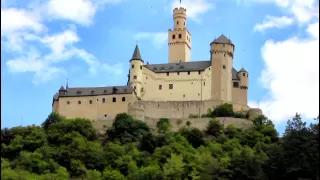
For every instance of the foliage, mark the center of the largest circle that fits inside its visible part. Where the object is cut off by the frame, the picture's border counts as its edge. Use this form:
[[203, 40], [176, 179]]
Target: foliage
[[64, 149], [163, 125], [194, 116]]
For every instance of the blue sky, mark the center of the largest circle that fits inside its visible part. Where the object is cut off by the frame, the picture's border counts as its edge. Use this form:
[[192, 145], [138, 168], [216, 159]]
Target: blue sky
[[90, 42]]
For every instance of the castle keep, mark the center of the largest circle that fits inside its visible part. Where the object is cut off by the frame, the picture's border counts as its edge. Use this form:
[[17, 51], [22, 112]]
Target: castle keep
[[174, 89]]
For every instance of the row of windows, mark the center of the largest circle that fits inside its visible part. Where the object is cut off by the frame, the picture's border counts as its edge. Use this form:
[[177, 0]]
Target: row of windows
[[114, 90], [132, 66], [178, 73], [180, 36], [103, 100]]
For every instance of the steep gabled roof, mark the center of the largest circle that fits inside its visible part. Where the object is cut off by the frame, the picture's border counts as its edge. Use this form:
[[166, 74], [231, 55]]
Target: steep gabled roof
[[242, 70]]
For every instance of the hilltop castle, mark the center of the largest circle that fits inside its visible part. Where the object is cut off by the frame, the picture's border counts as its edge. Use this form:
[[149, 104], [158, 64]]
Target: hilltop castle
[[174, 89]]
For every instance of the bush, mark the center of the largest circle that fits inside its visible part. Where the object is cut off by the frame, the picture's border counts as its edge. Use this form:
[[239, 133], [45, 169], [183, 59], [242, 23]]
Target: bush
[[193, 116], [223, 110]]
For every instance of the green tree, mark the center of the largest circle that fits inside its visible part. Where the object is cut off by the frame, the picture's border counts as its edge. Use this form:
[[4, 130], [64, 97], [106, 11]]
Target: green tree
[[163, 125]]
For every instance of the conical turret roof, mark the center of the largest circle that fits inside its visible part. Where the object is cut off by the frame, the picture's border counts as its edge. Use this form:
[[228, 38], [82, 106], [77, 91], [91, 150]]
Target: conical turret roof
[[136, 54], [62, 88], [242, 70], [222, 40]]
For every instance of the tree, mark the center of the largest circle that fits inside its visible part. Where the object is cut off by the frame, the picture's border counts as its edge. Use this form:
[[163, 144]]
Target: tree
[[163, 125], [214, 128]]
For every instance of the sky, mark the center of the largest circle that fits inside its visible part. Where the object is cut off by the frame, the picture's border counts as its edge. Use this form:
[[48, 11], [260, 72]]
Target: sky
[[90, 43]]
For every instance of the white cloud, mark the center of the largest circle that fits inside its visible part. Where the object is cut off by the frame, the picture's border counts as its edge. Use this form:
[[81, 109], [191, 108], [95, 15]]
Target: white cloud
[[79, 11], [194, 7], [158, 38], [291, 75], [301, 12], [20, 28], [274, 22], [13, 20]]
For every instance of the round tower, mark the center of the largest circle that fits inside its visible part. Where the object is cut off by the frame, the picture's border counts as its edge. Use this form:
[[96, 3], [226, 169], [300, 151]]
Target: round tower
[[244, 85], [180, 18], [244, 78], [136, 65], [221, 50]]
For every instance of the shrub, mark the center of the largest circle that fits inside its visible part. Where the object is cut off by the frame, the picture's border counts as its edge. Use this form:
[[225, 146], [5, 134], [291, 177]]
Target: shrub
[[193, 116], [223, 110]]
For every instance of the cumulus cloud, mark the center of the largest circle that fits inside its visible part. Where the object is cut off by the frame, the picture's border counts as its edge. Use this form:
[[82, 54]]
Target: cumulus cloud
[[274, 22], [22, 27], [158, 38], [295, 11], [195, 8], [291, 68]]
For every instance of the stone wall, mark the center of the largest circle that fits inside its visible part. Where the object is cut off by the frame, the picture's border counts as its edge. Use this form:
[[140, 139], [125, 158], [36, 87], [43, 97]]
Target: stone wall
[[176, 124], [175, 109]]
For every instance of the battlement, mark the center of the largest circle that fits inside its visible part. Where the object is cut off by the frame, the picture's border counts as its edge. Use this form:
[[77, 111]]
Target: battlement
[[180, 11]]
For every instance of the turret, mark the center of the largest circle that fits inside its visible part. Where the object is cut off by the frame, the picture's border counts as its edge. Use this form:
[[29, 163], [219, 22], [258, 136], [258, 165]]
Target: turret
[[221, 50], [136, 65], [244, 78], [62, 91], [179, 38]]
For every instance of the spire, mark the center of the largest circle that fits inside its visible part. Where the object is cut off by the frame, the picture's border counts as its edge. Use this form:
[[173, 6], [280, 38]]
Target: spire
[[67, 85], [136, 54]]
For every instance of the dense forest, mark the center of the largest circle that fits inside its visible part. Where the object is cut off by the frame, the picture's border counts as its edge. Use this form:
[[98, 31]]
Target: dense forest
[[72, 149]]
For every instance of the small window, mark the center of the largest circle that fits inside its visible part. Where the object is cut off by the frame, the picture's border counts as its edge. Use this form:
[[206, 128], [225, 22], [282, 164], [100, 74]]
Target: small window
[[142, 89], [134, 87], [209, 68], [103, 100], [90, 101], [188, 72], [244, 74], [178, 73], [105, 91], [198, 94], [184, 23], [236, 84], [224, 66], [78, 92], [123, 99], [92, 92], [140, 67], [184, 95], [224, 55], [167, 73], [160, 87], [173, 36], [68, 102], [199, 72], [134, 77], [180, 36], [79, 102], [114, 99], [132, 66], [177, 22], [146, 77], [204, 83], [105, 115], [170, 86]]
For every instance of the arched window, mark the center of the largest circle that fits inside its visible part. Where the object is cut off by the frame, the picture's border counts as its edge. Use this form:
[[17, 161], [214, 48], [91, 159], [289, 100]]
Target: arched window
[[123, 99], [114, 99]]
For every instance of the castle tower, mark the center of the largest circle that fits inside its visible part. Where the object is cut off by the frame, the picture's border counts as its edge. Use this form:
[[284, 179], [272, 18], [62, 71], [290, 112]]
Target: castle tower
[[179, 39], [244, 84], [136, 65], [221, 50]]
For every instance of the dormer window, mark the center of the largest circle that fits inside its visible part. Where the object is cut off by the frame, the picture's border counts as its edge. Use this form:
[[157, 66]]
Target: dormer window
[[92, 92], [114, 90], [78, 92]]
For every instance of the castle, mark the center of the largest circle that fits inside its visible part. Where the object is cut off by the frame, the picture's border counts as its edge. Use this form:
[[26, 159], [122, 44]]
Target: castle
[[173, 90]]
